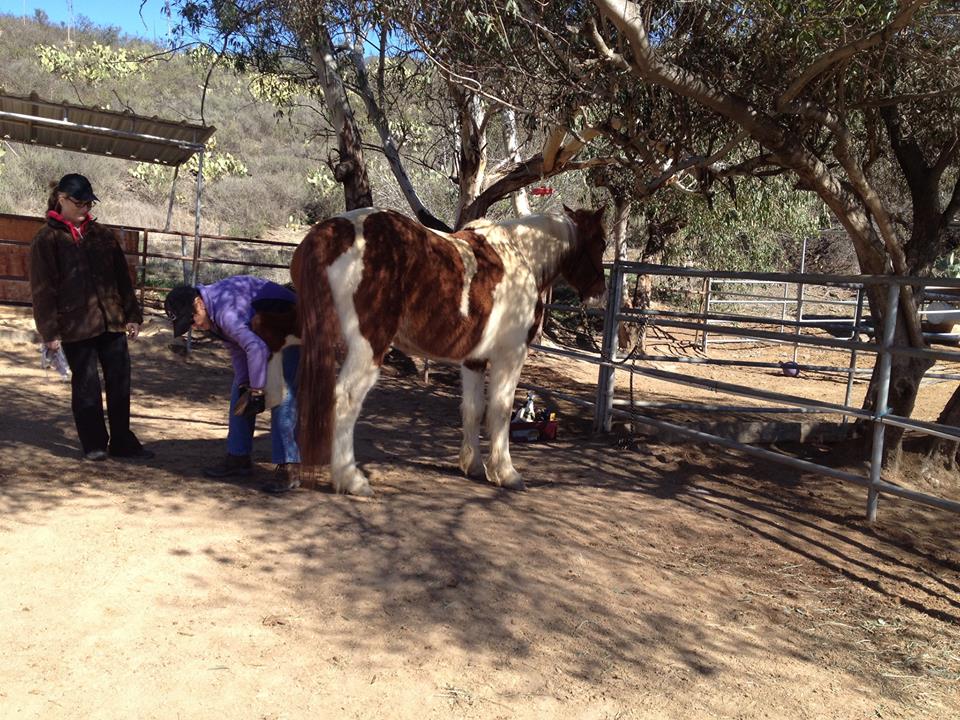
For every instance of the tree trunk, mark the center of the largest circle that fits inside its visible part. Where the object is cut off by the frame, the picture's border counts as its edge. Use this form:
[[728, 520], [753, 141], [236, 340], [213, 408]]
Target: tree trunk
[[940, 448], [521, 203], [472, 160], [905, 376], [628, 334], [349, 169], [931, 221]]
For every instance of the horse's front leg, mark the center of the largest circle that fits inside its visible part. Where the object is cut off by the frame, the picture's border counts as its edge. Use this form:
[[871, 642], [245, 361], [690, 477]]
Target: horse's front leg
[[471, 407], [504, 374]]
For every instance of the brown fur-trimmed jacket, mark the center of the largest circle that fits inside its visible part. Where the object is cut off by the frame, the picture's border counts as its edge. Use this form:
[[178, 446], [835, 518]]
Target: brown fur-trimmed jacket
[[80, 289]]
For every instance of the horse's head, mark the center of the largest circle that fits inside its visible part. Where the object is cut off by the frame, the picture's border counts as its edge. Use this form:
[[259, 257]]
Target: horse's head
[[583, 268]]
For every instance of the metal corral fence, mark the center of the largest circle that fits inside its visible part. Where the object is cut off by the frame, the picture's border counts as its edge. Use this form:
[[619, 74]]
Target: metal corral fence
[[840, 309], [158, 259], [839, 333], [167, 258]]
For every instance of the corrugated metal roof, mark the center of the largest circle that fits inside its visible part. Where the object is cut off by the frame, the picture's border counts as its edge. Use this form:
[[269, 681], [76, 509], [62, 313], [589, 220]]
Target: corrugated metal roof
[[35, 121]]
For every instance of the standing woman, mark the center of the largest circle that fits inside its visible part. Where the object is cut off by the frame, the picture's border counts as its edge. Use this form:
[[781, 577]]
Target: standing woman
[[83, 299]]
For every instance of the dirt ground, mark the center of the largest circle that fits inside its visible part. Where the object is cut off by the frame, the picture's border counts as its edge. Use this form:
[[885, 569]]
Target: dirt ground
[[635, 578]]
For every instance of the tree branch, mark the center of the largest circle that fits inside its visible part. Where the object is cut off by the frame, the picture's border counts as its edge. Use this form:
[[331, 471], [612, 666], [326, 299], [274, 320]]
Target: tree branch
[[526, 173], [908, 97], [389, 145], [841, 54]]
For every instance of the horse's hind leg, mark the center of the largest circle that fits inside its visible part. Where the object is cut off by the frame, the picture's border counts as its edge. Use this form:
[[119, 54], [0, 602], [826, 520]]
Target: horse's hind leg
[[358, 374], [504, 374], [472, 411]]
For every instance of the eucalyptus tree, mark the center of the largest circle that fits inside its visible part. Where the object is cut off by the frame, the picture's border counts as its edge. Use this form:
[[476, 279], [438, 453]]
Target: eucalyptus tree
[[815, 85], [352, 52], [294, 40], [316, 44], [858, 102]]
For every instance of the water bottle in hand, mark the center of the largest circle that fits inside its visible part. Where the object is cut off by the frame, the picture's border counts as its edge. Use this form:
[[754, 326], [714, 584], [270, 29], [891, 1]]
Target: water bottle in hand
[[55, 359]]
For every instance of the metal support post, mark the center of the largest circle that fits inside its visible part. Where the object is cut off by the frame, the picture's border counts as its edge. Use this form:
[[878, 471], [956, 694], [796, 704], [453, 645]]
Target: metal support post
[[173, 195], [857, 318], [143, 266], [883, 391], [603, 414], [195, 270], [803, 267], [783, 307], [196, 222], [706, 312]]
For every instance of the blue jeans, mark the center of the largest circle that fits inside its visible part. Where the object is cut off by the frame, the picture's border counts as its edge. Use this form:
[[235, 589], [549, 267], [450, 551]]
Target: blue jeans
[[283, 418]]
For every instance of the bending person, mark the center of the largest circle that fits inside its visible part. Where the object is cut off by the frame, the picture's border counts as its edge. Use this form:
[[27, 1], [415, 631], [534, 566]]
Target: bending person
[[225, 309]]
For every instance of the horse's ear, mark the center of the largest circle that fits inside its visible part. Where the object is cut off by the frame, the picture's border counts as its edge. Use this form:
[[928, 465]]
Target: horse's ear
[[567, 210], [599, 213]]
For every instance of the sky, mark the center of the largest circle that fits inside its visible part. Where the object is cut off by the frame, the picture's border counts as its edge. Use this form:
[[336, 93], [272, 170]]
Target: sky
[[124, 14]]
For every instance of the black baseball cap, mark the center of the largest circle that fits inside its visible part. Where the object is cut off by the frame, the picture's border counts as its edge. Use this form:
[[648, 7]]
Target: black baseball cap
[[179, 307], [77, 187]]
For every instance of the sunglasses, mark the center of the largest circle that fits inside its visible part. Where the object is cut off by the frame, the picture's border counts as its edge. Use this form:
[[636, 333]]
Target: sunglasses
[[81, 203]]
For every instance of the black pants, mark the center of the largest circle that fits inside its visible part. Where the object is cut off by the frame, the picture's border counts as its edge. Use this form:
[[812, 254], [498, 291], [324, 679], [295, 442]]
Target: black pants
[[110, 348]]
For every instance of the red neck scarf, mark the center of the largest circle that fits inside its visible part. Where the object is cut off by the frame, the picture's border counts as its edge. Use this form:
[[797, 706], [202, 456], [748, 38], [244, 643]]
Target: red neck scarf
[[75, 232]]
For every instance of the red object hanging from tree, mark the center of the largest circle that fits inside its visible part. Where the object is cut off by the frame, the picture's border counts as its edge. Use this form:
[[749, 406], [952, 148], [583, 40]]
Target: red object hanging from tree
[[541, 190]]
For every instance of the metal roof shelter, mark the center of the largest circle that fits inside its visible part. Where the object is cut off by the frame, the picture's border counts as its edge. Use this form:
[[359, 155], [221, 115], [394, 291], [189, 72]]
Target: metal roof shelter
[[34, 121]]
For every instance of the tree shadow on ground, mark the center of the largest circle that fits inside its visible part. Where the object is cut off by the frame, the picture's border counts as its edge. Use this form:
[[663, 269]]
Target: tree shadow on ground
[[615, 561]]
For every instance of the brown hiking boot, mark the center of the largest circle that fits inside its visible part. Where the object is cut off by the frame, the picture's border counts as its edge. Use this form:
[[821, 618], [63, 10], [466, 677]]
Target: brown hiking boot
[[287, 479], [230, 466]]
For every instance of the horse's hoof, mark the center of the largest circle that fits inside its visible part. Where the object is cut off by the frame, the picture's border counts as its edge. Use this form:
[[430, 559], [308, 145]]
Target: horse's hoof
[[355, 484], [514, 484], [508, 481], [470, 464]]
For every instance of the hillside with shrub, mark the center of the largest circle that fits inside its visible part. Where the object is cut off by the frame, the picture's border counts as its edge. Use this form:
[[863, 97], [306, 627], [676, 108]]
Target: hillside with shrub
[[267, 171], [261, 172]]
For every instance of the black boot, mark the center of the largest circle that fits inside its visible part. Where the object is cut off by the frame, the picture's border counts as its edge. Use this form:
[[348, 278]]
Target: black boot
[[230, 466]]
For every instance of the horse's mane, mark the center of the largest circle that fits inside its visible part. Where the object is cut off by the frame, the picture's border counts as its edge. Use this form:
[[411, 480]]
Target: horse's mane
[[541, 240], [553, 226]]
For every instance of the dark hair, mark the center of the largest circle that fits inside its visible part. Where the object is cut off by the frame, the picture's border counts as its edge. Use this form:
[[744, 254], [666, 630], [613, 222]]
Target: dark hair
[[53, 202]]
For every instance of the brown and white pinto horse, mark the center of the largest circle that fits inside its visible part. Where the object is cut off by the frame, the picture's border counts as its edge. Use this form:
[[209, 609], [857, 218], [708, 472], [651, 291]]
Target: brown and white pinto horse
[[371, 278]]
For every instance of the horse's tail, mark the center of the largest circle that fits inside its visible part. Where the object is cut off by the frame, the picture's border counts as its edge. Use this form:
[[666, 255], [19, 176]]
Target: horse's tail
[[319, 332]]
